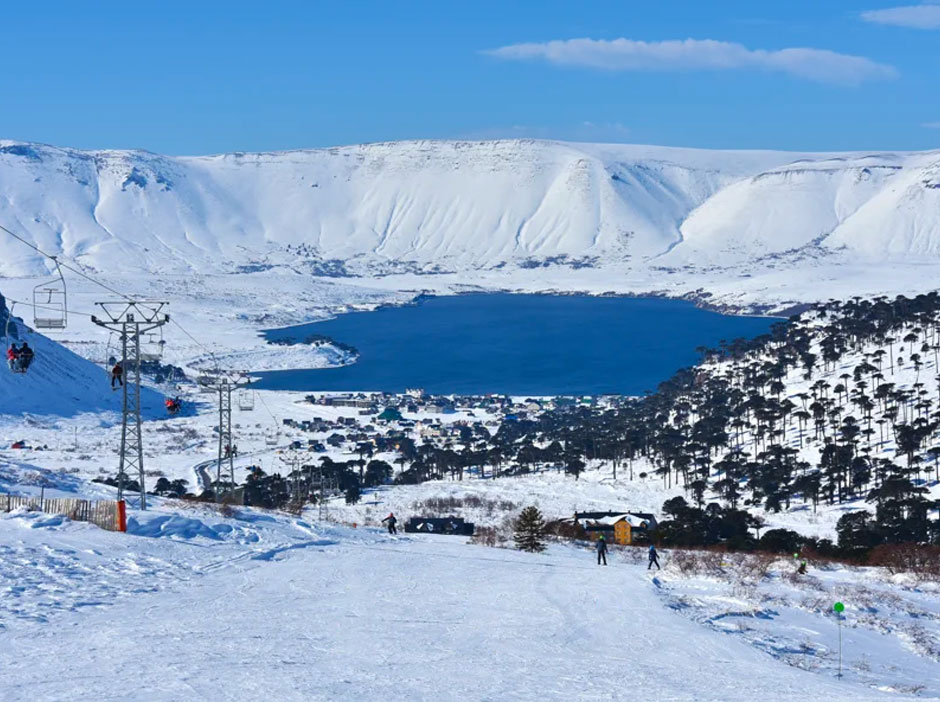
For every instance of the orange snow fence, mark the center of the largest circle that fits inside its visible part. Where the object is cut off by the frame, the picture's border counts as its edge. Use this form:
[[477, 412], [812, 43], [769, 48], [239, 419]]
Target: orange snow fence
[[107, 514]]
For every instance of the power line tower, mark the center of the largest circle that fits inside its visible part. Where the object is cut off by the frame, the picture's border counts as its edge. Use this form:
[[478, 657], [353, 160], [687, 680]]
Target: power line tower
[[129, 319]]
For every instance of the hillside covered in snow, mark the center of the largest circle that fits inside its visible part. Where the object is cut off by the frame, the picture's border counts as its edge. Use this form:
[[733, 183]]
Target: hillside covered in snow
[[515, 209], [59, 382]]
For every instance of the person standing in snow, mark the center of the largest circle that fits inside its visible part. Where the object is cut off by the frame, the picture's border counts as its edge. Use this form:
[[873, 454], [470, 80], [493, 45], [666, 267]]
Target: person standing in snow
[[601, 550], [392, 521], [654, 558]]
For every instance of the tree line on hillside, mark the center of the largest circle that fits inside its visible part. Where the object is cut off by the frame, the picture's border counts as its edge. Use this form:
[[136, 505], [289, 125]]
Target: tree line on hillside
[[730, 432]]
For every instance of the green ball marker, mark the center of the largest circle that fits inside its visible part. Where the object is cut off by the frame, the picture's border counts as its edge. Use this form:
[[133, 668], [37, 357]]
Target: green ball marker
[[838, 607]]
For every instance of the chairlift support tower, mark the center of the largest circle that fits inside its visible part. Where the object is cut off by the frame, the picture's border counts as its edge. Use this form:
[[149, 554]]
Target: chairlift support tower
[[130, 319], [225, 386]]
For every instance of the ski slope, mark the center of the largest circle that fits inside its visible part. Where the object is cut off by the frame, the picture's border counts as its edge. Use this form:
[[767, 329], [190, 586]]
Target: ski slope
[[191, 606]]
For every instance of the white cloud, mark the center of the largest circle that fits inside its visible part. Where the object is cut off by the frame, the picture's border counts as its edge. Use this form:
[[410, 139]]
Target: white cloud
[[697, 54], [915, 16], [931, 125]]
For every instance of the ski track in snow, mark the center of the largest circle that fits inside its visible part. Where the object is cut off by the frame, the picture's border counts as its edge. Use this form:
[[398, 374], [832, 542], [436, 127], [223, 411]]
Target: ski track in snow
[[335, 613]]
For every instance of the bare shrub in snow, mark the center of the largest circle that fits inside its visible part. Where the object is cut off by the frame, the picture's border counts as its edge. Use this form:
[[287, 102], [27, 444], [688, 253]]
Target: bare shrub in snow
[[920, 560], [696, 562], [494, 536], [756, 566], [449, 505]]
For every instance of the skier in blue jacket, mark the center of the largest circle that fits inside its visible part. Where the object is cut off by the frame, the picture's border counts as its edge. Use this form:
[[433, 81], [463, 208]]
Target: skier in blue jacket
[[601, 550], [653, 558]]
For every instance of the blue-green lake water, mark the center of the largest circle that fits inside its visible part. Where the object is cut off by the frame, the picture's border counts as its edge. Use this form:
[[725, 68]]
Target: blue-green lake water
[[515, 344]]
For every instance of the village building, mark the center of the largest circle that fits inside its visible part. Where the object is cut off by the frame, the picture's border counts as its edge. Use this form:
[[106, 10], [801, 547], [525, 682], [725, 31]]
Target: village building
[[618, 527]]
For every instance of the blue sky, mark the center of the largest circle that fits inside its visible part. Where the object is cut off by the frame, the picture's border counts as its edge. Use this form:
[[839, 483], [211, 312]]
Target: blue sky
[[206, 77]]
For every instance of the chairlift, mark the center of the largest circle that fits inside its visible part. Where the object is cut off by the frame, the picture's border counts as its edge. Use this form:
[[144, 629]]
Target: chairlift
[[49, 302], [16, 366], [246, 400], [206, 382], [272, 437], [151, 347]]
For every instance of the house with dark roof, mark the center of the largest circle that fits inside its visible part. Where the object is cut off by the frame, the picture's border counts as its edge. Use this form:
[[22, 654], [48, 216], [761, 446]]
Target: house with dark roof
[[619, 527]]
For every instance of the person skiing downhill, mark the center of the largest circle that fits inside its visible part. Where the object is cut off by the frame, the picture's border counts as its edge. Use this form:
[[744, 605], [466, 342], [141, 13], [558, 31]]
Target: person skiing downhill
[[653, 558], [391, 520], [601, 550]]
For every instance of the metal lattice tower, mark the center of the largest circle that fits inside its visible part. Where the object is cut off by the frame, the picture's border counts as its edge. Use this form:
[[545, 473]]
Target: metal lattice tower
[[226, 447], [323, 511], [130, 319], [226, 386]]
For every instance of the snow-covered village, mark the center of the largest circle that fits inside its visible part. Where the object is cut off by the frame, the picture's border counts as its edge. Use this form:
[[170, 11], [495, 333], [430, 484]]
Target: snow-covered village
[[350, 403]]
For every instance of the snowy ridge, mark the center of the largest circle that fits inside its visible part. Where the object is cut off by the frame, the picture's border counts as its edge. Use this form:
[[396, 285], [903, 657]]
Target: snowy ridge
[[436, 206]]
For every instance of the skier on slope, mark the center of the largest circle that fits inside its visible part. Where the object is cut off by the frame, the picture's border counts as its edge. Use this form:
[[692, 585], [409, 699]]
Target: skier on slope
[[392, 521], [654, 558], [601, 550]]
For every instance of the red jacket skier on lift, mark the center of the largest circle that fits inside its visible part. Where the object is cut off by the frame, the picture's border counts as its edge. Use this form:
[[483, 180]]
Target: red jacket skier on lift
[[117, 374]]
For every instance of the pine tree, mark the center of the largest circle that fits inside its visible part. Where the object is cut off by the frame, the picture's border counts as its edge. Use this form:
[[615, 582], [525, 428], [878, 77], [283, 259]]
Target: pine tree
[[530, 530]]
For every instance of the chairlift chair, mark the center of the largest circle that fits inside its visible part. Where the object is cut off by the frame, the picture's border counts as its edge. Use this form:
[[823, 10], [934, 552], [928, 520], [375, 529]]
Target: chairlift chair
[[49, 303], [246, 400], [206, 382], [151, 348], [271, 438]]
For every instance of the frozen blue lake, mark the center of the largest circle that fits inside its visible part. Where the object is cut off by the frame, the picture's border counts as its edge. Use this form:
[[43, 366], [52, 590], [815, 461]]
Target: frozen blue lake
[[516, 344]]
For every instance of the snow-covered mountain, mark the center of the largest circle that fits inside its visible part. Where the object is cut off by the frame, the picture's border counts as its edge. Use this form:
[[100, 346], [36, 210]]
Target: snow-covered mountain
[[432, 206]]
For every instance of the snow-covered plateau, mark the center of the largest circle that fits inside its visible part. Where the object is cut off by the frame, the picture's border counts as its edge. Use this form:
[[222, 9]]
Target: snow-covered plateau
[[749, 227]]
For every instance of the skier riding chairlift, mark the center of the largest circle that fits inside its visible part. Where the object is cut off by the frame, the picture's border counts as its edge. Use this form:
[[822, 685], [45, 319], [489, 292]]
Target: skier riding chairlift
[[117, 374], [23, 357]]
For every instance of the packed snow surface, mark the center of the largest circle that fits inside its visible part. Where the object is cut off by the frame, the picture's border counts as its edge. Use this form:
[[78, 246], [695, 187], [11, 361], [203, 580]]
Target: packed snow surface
[[265, 606]]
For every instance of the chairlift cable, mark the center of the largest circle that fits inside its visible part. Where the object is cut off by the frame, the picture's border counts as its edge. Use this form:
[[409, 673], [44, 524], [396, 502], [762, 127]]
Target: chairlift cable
[[277, 427], [65, 265], [43, 307], [81, 273]]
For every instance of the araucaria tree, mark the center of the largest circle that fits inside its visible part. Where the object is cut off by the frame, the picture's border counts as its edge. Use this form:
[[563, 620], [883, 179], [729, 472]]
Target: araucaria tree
[[530, 530]]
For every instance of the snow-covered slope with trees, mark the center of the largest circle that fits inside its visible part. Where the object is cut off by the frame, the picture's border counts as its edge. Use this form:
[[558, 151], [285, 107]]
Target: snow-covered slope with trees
[[439, 206]]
